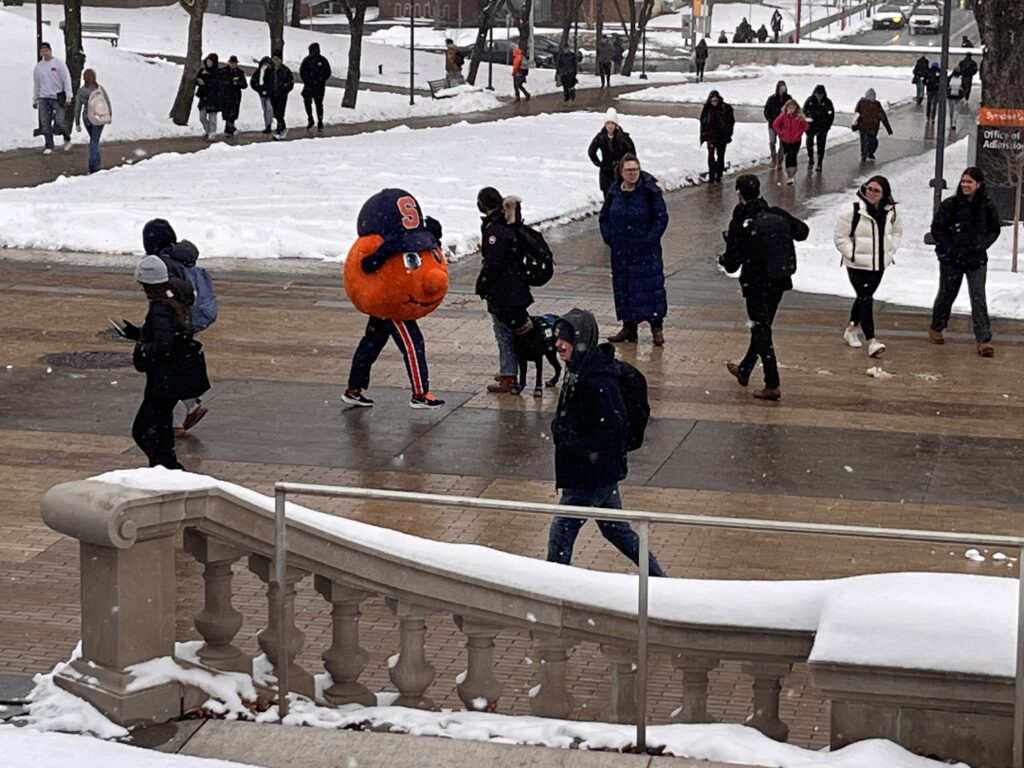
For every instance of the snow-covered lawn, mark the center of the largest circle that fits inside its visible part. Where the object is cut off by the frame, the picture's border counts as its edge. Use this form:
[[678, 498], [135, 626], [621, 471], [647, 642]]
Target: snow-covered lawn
[[753, 85]]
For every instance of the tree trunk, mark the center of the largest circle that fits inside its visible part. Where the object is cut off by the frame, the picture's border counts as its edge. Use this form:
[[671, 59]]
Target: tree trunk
[[636, 29], [74, 53], [598, 30], [275, 23], [1000, 23], [487, 10], [182, 107], [568, 21], [356, 15], [297, 13]]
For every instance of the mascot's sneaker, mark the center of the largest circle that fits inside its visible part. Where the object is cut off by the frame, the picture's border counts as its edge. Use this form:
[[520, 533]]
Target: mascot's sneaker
[[356, 397], [425, 400]]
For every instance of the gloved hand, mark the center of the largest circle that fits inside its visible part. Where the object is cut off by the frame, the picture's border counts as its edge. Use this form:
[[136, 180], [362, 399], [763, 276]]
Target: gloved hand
[[131, 331]]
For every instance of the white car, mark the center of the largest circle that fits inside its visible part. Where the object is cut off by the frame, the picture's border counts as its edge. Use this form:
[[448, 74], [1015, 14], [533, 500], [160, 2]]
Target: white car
[[925, 18]]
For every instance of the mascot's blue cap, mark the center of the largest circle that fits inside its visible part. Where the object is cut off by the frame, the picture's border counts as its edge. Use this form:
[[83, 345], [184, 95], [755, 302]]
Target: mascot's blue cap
[[395, 215]]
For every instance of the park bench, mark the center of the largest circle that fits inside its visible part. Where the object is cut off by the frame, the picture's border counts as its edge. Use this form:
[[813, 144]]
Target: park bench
[[450, 81], [109, 32]]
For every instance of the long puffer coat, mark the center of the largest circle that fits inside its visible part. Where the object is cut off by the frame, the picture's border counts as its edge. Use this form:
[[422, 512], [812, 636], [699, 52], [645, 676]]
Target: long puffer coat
[[632, 224], [862, 250]]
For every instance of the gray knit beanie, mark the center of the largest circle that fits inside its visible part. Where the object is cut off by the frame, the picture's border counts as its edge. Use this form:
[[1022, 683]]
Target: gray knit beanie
[[151, 271]]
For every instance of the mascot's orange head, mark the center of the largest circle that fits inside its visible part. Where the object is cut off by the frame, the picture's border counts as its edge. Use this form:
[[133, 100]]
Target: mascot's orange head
[[396, 269]]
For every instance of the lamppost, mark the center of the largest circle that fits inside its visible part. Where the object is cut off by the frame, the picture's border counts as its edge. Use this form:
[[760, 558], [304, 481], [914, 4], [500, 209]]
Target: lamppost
[[412, 56], [39, 26], [939, 183], [490, 59], [643, 53]]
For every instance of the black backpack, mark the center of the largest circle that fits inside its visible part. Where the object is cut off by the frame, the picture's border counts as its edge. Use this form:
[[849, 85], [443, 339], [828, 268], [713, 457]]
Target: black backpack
[[772, 244], [537, 259], [633, 385]]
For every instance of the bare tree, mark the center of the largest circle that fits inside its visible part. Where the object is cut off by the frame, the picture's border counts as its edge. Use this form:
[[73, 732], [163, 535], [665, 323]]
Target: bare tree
[[182, 107], [274, 10], [487, 10], [355, 12], [521, 20], [1005, 168], [297, 13], [74, 53], [636, 30], [1001, 24]]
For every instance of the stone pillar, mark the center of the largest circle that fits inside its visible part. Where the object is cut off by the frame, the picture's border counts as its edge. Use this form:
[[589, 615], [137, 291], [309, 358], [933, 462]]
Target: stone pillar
[[410, 672], [299, 680], [551, 697], [479, 688], [218, 622], [695, 671], [622, 696], [345, 660], [767, 685], [127, 600]]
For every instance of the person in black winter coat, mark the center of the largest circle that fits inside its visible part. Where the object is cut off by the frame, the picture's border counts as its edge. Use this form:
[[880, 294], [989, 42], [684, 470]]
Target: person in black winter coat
[[566, 66], [965, 226], [747, 252], [160, 239], [589, 433], [258, 81], [172, 361], [232, 83], [501, 282], [716, 126], [762, 34], [700, 58], [279, 83], [772, 109], [609, 146], [968, 69], [208, 91], [820, 115], [921, 67], [315, 71], [932, 82], [776, 24]]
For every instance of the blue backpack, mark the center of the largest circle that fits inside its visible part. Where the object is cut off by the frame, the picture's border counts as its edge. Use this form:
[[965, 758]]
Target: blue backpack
[[204, 311]]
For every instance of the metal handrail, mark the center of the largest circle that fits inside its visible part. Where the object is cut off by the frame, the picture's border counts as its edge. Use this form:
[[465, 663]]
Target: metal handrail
[[644, 519]]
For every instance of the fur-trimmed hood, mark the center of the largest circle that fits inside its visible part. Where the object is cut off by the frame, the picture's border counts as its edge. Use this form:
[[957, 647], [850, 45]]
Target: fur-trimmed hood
[[512, 206]]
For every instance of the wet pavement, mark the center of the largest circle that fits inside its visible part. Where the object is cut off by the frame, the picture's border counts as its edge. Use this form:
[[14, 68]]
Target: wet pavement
[[937, 446]]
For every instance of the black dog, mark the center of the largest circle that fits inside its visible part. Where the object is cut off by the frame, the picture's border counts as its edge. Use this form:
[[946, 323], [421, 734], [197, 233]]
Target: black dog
[[533, 346]]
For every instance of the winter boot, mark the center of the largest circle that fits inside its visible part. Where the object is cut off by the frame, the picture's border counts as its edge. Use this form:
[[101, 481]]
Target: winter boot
[[503, 385], [658, 335], [768, 393], [740, 376], [936, 337], [626, 334], [985, 349]]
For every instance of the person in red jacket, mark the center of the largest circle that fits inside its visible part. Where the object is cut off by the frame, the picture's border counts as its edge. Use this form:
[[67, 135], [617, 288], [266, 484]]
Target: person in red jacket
[[790, 125], [520, 69]]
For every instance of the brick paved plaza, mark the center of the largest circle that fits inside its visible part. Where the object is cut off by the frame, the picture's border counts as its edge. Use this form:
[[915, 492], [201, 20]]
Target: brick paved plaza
[[938, 446]]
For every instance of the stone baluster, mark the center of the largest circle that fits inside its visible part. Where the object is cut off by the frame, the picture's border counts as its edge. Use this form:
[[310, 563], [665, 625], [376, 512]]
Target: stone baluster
[[551, 697], [479, 689], [622, 696], [695, 671], [410, 672], [767, 685], [218, 622], [299, 680], [345, 660]]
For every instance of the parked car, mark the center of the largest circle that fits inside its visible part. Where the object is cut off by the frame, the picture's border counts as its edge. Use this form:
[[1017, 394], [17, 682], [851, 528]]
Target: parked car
[[500, 52], [925, 18], [889, 17]]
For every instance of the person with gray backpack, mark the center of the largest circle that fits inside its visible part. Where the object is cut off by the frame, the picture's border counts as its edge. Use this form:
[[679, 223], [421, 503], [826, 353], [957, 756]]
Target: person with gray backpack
[[93, 104]]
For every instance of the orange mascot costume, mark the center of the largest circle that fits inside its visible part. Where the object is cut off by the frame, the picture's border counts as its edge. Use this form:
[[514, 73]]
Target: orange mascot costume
[[396, 273]]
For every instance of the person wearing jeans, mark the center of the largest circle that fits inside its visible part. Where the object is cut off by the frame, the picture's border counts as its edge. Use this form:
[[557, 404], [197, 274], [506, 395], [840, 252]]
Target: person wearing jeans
[[965, 226], [258, 81], [208, 90], [81, 112], [589, 434], [51, 95], [870, 117]]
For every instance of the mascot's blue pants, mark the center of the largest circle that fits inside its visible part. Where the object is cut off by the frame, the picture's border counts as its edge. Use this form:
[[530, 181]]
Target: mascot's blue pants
[[406, 334]]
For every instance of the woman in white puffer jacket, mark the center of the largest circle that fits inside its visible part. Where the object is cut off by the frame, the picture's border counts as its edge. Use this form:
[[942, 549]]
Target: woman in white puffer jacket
[[867, 235]]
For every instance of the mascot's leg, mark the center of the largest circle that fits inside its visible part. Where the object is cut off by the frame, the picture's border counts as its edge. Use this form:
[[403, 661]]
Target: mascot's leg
[[406, 334], [374, 338]]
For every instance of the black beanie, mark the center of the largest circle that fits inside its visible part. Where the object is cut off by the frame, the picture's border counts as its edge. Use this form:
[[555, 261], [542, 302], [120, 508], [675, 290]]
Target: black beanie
[[157, 235], [488, 199]]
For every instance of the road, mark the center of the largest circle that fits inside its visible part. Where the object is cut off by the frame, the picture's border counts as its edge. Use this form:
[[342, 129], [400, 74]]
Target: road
[[962, 23]]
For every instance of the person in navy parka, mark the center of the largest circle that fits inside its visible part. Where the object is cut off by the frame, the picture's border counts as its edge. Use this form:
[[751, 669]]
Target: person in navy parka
[[633, 220]]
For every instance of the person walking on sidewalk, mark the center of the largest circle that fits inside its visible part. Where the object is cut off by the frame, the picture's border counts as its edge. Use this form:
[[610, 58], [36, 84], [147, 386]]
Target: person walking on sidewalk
[[604, 56], [867, 235], [772, 109], [258, 81], [607, 148], [51, 96], [232, 83], [921, 67], [790, 127], [700, 58], [453, 61], [589, 433], [955, 97], [633, 220], [314, 71], [279, 84], [92, 104], [208, 91], [776, 24], [759, 243], [520, 69], [820, 114], [965, 226], [968, 69], [717, 122], [501, 282], [566, 66], [932, 81], [172, 360], [870, 117], [762, 34]]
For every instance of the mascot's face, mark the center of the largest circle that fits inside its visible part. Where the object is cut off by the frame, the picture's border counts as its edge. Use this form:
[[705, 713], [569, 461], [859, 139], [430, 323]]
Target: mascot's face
[[396, 268], [409, 286]]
